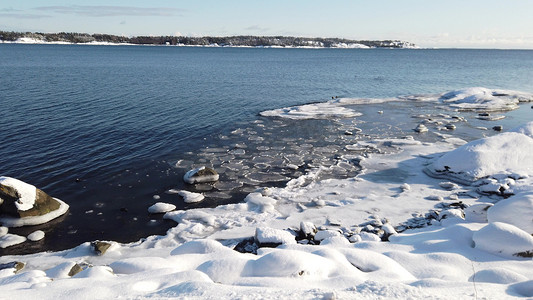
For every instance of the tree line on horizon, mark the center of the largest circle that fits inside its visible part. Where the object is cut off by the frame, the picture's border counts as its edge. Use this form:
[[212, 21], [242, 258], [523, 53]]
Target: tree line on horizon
[[243, 40]]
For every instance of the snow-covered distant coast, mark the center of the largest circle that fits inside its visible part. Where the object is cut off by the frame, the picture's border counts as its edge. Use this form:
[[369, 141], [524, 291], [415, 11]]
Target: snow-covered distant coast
[[230, 41], [449, 219]]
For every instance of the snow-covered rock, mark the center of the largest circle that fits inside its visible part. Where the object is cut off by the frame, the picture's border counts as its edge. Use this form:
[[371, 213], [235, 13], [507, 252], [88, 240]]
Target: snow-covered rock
[[506, 153], [23, 204], [36, 236], [200, 175], [161, 207], [266, 235], [504, 240]]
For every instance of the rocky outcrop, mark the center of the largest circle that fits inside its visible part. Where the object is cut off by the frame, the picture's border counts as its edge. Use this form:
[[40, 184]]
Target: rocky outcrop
[[43, 203], [23, 204]]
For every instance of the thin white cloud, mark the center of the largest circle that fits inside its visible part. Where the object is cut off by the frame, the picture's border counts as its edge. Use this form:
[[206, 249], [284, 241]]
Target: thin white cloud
[[111, 11], [257, 28], [22, 16]]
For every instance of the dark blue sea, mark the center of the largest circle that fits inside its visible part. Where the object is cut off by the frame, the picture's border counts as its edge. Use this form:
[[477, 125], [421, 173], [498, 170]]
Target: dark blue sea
[[111, 129]]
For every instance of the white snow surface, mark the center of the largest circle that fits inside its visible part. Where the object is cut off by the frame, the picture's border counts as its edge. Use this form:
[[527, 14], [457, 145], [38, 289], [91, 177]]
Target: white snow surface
[[475, 98], [506, 153], [161, 207], [36, 236], [324, 110], [27, 192], [478, 98], [190, 197], [455, 258]]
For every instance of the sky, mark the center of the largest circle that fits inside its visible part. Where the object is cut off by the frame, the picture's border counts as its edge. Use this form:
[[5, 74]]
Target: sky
[[427, 23]]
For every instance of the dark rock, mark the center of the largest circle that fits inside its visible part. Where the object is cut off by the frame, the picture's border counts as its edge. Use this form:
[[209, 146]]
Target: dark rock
[[17, 265], [75, 270], [450, 126], [100, 247], [201, 175], [43, 203], [498, 128], [524, 254], [247, 246]]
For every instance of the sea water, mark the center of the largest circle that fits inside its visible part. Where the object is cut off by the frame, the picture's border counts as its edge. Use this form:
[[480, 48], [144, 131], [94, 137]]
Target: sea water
[[111, 129]]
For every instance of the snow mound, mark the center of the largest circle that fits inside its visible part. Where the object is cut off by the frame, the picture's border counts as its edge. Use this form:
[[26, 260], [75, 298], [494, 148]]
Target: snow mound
[[258, 202], [478, 98], [504, 240], [498, 275], [190, 197], [517, 211], [200, 247], [505, 153], [291, 263], [265, 235], [161, 207], [9, 240], [36, 236], [138, 264]]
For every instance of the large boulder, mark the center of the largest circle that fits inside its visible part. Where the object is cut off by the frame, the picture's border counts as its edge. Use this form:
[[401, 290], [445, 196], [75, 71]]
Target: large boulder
[[24, 204]]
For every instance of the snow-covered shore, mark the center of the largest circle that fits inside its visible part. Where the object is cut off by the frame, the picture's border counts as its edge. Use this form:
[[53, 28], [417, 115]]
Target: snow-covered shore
[[29, 40], [477, 198]]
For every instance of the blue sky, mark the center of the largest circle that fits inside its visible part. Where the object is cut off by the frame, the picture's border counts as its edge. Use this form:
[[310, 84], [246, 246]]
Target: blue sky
[[428, 23]]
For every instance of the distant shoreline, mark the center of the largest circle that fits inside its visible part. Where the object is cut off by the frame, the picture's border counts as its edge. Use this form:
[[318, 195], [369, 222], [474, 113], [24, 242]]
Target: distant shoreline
[[208, 41]]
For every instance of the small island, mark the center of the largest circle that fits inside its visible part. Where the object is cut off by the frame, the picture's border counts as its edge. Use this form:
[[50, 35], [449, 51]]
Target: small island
[[228, 41]]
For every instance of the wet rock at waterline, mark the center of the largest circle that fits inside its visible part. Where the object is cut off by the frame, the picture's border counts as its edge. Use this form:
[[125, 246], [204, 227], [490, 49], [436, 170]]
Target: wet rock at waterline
[[23, 204], [200, 175]]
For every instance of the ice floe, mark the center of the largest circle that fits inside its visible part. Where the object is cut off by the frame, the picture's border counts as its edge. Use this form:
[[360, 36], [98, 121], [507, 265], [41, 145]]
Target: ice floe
[[468, 99]]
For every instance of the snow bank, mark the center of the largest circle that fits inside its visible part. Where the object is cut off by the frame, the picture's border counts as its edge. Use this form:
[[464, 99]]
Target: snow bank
[[517, 211], [505, 240]]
